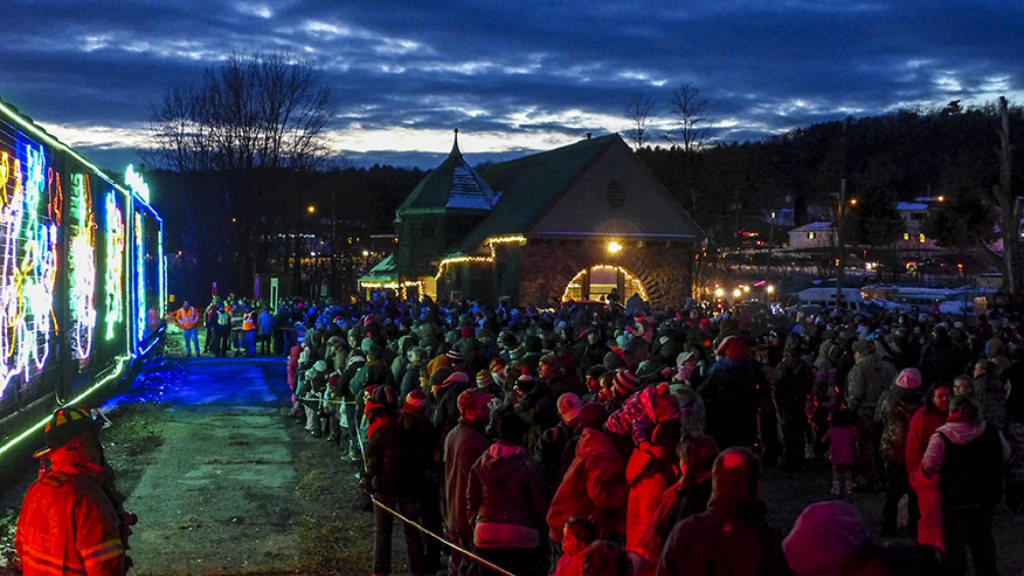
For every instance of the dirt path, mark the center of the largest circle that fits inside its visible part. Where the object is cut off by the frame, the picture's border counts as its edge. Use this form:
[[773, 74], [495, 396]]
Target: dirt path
[[224, 483]]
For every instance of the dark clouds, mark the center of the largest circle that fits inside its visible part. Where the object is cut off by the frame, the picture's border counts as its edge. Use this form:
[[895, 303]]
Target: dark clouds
[[512, 75]]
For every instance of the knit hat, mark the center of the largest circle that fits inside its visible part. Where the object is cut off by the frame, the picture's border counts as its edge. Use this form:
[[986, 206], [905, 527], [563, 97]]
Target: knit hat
[[454, 355], [415, 402], [455, 378], [909, 378], [320, 366], [626, 383], [472, 398], [551, 359], [526, 383], [466, 332], [683, 357], [385, 396], [569, 406], [826, 535], [863, 347], [438, 377], [484, 379], [592, 415], [733, 348]]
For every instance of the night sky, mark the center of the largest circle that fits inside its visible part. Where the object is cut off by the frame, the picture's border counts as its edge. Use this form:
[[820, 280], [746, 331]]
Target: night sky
[[513, 75]]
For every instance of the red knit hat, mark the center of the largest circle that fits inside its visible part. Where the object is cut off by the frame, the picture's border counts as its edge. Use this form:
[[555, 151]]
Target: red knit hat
[[484, 379], [733, 348], [626, 383], [415, 402]]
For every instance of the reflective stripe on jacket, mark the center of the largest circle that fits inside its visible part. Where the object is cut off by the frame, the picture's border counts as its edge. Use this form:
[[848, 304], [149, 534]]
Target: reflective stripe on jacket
[[187, 318], [249, 321]]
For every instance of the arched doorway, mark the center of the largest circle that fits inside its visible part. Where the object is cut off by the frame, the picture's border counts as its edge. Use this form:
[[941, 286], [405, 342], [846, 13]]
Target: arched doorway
[[596, 283]]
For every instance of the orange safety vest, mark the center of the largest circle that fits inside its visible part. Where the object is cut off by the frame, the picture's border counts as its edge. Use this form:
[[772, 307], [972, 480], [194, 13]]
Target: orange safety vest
[[249, 321], [187, 319]]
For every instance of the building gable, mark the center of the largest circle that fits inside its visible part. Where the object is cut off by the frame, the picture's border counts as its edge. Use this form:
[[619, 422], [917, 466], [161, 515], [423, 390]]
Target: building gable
[[616, 197]]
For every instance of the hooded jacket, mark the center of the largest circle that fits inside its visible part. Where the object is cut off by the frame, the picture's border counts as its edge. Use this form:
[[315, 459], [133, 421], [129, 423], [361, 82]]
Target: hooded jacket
[[463, 446], [924, 423], [979, 482], [398, 455], [594, 486], [68, 524], [731, 399], [648, 479], [730, 538], [686, 498], [866, 382], [506, 498]]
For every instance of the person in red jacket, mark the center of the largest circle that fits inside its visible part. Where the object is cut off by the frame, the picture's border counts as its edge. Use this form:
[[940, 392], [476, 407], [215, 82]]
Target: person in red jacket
[[69, 524], [595, 485], [927, 521]]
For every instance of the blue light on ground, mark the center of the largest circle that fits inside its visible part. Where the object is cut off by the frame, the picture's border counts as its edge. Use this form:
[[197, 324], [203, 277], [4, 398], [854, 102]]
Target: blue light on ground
[[214, 383]]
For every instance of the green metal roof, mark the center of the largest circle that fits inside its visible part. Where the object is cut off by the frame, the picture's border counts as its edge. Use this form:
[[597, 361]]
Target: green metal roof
[[529, 185], [384, 271]]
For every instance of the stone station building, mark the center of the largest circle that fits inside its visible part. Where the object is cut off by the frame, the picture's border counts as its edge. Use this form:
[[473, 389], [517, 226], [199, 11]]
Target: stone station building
[[573, 222]]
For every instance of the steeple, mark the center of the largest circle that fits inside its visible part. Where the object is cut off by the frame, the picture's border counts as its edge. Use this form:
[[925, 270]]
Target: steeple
[[455, 153]]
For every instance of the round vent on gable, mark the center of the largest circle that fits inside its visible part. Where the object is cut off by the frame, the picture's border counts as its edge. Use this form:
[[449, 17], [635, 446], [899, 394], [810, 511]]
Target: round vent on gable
[[616, 194]]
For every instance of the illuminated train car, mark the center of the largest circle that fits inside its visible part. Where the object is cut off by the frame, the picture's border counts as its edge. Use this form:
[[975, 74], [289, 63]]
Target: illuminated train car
[[82, 286]]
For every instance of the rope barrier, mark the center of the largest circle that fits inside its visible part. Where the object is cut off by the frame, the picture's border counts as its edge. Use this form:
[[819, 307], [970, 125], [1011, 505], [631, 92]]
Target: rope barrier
[[417, 526], [326, 401]]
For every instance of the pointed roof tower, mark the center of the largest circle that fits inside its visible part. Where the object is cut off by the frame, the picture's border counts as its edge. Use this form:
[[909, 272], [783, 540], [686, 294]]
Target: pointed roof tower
[[453, 184]]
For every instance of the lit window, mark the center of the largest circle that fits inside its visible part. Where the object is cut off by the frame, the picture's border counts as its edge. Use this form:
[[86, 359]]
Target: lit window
[[920, 238], [810, 235], [906, 235]]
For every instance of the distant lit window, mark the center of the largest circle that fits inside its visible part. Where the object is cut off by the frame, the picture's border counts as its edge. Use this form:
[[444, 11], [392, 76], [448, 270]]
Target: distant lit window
[[616, 194], [906, 236], [920, 238], [810, 235]]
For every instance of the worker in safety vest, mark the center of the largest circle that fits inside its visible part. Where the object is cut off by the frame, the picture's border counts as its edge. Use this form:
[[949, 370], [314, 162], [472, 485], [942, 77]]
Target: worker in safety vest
[[72, 521], [222, 333], [188, 318], [249, 331]]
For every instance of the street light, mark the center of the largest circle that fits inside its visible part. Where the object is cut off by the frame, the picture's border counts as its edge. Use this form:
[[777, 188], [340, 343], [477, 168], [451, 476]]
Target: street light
[[853, 201], [770, 289], [366, 253], [737, 293], [311, 209], [719, 292], [614, 247]]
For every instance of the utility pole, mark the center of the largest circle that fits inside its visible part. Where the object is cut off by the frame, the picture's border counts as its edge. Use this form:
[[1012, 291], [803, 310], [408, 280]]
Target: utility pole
[[841, 260]]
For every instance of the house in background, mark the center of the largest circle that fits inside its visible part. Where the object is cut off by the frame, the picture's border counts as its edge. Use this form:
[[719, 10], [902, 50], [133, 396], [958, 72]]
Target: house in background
[[813, 236], [570, 223]]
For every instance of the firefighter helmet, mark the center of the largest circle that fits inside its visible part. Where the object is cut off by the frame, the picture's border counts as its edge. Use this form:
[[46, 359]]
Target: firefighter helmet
[[65, 425]]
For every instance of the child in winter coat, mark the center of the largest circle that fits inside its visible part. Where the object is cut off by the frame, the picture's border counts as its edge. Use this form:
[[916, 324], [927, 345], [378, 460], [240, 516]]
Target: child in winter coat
[[843, 437], [577, 535]]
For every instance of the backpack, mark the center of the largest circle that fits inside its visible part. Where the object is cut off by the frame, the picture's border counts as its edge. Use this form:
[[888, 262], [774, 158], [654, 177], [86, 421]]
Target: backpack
[[893, 444]]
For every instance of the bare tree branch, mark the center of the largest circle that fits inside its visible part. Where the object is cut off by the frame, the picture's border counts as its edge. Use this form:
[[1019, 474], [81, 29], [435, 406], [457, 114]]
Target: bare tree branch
[[693, 123], [640, 111]]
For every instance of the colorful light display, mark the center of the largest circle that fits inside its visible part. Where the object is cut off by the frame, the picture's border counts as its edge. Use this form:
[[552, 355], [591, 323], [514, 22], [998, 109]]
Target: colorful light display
[[114, 283], [140, 279], [28, 265], [82, 268]]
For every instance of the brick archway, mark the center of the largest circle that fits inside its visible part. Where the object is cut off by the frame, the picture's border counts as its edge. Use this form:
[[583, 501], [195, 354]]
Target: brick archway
[[629, 277]]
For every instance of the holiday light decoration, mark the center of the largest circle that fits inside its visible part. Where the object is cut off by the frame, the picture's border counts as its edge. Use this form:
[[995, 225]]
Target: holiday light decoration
[[46, 191], [630, 277], [114, 282], [514, 239], [140, 279], [82, 268], [28, 266]]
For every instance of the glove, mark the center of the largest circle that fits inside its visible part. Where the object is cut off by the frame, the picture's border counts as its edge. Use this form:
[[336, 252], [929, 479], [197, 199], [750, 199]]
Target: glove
[[366, 485]]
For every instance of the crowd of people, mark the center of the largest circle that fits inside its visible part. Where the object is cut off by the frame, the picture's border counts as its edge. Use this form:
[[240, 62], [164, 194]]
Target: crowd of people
[[614, 439]]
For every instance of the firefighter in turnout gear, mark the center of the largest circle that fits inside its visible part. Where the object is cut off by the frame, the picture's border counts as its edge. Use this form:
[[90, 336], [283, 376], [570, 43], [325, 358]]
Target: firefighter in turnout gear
[[72, 520]]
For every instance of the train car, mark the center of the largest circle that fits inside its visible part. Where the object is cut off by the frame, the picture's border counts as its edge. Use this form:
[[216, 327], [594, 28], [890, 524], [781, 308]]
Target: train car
[[82, 285]]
